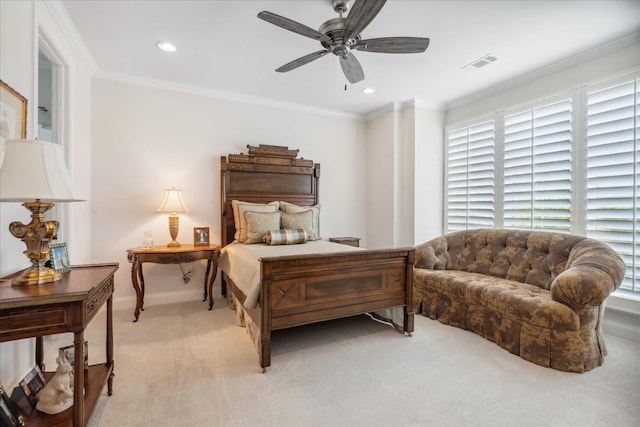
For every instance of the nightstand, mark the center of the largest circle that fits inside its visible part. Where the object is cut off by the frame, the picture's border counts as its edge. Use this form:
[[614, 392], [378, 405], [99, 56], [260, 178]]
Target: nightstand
[[351, 241], [172, 255]]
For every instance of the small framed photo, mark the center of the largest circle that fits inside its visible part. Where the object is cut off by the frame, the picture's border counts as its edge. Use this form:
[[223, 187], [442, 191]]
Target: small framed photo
[[8, 415], [200, 236], [60, 257], [25, 395], [68, 352]]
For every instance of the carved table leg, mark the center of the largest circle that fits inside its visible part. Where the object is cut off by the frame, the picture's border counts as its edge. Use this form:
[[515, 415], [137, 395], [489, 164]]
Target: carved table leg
[[214, 273], [206, 276], [110, 344], [135, 267]]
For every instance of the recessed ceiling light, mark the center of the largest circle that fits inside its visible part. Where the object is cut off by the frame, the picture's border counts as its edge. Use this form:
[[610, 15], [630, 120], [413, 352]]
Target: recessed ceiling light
[[368, 91], [167, 47]]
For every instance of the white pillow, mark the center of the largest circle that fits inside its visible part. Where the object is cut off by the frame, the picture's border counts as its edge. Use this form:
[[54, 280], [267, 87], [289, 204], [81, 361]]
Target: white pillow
[[239, 208], [315, 210]]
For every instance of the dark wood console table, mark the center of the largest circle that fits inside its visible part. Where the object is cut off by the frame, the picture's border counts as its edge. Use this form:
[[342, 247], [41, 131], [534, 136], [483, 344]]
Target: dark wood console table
[[173, 255], [64, 306]]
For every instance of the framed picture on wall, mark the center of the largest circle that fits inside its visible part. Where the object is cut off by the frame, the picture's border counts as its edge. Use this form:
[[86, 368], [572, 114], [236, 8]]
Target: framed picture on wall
[[13, 115], [200, 236], [60, 257]]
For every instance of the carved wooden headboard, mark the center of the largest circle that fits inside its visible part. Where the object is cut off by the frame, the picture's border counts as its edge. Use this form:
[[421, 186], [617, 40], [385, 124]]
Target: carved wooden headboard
[[266, 174]]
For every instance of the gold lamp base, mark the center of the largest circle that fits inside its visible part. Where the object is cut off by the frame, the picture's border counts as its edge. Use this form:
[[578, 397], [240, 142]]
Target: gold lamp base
[[36, 235], [174, 226]]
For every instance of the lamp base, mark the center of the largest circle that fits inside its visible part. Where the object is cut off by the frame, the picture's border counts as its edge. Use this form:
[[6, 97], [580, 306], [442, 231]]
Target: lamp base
[[174, 225], [37, 276], [36, 235]]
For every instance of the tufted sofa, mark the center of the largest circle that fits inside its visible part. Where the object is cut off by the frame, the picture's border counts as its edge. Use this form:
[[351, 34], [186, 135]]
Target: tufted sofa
[[538, 295]]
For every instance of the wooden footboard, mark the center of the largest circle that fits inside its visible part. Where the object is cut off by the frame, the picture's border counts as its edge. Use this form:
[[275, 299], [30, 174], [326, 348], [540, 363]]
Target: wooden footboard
[[298, 290]]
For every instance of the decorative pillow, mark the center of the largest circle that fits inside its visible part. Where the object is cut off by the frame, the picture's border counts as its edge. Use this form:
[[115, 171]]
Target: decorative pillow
[[259, 223], [286, 237], [239, 208], [315, 210], [301, 220]]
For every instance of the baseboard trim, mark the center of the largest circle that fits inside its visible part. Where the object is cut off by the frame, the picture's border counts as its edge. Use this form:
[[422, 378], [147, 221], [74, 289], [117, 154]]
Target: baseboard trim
[[129, 302], [621, 324]]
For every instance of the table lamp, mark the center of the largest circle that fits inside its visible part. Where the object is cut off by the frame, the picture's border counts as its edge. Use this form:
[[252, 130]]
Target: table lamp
[[173, 204], [35, 173]]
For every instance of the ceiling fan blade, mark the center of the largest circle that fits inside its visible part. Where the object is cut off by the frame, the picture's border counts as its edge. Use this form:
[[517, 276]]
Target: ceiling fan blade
[[361, 14], [393, 45], [301, 61], [351, 67], [294, 26]]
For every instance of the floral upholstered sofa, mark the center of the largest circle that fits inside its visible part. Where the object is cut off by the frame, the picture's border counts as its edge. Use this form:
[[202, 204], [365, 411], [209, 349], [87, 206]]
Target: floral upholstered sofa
[[538, 295]]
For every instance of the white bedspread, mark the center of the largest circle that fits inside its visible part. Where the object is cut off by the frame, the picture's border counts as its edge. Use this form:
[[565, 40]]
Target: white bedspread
[[242, 262]]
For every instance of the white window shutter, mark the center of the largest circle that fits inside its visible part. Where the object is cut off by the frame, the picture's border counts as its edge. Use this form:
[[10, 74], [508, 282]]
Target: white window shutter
[[537, 168], [613, 173], [470, 177]]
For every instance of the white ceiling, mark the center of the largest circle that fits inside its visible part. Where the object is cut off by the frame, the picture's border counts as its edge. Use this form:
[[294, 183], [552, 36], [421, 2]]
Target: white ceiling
[[223, 47]]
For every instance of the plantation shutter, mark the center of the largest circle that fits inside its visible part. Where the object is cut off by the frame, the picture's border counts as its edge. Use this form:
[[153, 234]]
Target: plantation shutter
[[537, 168], [613, 173], [470, 177]]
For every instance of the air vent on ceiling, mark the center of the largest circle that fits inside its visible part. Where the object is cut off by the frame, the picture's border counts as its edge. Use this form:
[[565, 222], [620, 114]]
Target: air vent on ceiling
[[485, 60]]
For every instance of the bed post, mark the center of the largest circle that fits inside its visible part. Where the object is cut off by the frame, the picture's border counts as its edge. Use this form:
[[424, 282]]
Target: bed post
[[408, 308], [316, 177], [264, 349], [223, 200]]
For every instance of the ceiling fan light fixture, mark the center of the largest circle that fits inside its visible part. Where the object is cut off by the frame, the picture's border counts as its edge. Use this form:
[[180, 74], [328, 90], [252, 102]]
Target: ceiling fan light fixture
[[368, 91], [167, 47]]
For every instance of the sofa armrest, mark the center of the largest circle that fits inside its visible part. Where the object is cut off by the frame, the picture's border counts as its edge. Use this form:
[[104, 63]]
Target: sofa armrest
[[432, 255], [593, 272]]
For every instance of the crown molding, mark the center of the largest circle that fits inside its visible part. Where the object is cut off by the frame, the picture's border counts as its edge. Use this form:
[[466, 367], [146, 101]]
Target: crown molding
[[218, 94], [572, 61], [61, 16]]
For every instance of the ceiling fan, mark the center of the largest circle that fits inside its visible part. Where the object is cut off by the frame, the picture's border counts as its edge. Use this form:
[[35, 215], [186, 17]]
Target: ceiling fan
[[342, 35]]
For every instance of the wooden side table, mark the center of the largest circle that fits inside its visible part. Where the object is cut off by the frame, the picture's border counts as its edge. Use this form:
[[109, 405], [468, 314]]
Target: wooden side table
[[166, 255], [67, 305], [351, 241]]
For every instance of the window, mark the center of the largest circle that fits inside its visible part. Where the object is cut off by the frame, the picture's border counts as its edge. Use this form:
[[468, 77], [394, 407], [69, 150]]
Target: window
[[470, 168], [567, 164], [537, 168], [613, 173]]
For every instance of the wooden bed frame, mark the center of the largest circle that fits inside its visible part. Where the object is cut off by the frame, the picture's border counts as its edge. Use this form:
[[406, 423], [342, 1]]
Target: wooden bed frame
[[302, 289]]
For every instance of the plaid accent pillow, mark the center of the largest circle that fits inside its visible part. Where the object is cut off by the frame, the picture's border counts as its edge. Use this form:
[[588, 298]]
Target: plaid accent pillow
[[286, 237]]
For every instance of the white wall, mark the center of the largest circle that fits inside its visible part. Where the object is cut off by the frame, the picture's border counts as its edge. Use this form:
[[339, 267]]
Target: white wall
[[381, 158], [428, 176], [20, 25], [146, 139]]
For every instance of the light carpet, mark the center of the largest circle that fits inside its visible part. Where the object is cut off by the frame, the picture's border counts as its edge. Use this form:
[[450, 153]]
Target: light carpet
[[182, 365]]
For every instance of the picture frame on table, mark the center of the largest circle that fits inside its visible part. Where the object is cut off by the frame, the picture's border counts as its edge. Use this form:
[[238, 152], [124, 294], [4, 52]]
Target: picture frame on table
[[201, 236], [25, 395], [8, 415], [13, 116], [59, 255]]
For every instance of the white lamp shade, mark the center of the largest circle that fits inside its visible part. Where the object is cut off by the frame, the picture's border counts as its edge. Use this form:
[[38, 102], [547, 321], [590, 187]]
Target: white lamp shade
[[173, 202], [35, 170]]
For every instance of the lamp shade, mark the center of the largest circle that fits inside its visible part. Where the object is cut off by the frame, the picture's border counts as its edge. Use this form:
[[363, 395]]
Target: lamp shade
[[172, 202], [35, 170]]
